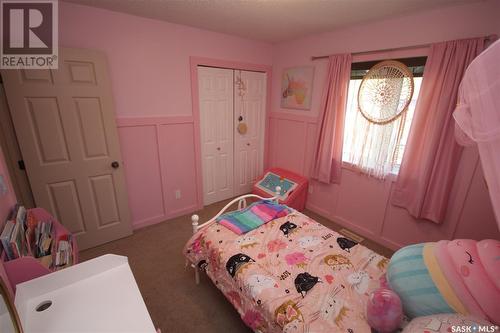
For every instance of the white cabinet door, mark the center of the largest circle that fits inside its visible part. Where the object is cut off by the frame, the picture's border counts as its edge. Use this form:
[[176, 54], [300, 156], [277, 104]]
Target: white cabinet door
[[250, 105], [215, 87]]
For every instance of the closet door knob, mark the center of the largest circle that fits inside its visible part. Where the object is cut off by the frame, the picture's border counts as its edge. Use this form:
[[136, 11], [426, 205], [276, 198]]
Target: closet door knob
[[115, 165], [218, 148], [248, 144]]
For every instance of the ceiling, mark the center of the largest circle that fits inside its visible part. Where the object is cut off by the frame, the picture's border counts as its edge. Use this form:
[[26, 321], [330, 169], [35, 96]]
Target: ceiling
[[269, 20]]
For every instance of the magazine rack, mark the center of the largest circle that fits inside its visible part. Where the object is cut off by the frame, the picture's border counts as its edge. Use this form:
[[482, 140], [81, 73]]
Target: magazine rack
[[27, 268]]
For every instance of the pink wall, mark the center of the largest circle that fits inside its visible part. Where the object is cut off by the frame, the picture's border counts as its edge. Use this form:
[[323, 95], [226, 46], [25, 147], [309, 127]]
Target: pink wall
[[156, 167], [149, 59], [361, 203], [149, 64], [9, 199], [456, 22]]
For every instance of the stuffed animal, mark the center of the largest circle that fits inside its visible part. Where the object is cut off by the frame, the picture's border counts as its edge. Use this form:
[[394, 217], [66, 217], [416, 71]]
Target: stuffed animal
[[460, 276]]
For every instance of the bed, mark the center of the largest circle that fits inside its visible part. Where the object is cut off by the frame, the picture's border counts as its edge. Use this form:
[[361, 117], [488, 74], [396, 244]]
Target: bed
[[291, 274]]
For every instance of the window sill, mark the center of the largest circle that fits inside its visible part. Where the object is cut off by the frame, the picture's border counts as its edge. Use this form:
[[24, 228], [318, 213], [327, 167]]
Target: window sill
[[392, 177]]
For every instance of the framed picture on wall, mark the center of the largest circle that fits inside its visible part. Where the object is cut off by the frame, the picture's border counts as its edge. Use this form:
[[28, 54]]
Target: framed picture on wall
[[296, 87]]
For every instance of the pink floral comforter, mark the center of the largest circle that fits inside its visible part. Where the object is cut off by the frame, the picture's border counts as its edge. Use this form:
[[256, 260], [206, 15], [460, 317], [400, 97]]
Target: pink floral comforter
[[290, 275]]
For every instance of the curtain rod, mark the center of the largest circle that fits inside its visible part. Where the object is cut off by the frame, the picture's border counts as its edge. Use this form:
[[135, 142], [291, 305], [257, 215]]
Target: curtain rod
[[487, 38]]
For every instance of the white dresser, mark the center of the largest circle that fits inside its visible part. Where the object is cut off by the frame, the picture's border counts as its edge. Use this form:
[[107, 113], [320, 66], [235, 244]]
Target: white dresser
[[99, 295]]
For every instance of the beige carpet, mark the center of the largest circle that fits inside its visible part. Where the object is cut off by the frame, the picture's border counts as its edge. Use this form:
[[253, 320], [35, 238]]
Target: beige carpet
[[175, 302]]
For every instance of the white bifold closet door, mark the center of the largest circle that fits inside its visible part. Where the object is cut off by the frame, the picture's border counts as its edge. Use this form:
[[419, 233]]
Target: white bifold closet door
[[216, 124], [249, 147], [231, 161]]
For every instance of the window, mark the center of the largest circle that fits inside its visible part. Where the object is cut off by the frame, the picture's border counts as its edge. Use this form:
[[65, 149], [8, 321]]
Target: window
[[375, 149]]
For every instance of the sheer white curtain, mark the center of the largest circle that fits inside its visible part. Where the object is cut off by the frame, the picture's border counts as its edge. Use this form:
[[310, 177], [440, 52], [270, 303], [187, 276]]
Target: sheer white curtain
[[375, 149]]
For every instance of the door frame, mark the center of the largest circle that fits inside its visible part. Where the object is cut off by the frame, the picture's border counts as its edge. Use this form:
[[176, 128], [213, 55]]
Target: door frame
[[194, 62], [12, 153]]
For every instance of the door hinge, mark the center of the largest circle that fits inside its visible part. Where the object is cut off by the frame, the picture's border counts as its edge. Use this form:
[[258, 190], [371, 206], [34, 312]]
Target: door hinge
[[21, 164]]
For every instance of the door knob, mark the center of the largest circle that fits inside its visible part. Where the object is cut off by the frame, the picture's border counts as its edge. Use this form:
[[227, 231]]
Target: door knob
[[115, 165], [248, 144], [218, 148]]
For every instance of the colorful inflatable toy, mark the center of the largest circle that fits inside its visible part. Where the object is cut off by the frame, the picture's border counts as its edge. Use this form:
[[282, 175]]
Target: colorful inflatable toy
[[384, 311]]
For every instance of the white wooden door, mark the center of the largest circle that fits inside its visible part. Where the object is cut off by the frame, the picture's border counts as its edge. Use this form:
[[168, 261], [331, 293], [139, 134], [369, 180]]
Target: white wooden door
[[249, 147], [215, 87], [65, 124]]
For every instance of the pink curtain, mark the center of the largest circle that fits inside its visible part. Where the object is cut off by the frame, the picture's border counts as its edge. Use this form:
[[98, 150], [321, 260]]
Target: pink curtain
[[328, 158], [431, 157]]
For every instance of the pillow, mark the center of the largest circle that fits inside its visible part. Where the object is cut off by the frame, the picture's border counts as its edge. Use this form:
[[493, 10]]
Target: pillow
[[252, 217], [446, 323], [409, 276]]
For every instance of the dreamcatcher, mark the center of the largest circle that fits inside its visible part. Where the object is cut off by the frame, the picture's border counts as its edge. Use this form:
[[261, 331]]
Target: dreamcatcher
[[385, 92], [382, 101]]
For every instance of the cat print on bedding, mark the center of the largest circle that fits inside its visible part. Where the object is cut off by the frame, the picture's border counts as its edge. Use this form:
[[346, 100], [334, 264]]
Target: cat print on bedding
[[294, 327], [288, 228], [346, 244], [373, 260], [214, 260], [287, 313], [237, 263], [309, 241], [359, 281], [257, 283], [337, 262], [333, 307], [245, 242], [305, 282], [202, 264]]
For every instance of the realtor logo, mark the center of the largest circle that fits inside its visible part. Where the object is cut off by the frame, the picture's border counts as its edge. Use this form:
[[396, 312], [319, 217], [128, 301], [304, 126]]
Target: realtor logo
[[29, 34]]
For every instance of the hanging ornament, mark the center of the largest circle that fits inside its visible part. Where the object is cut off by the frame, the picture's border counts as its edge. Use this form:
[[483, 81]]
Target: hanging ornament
[[242, 128], [240, 85]]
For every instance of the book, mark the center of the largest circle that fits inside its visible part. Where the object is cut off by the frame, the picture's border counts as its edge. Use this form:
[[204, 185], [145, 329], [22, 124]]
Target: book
[[43, 238], [5, 239], [17, 240], [20, 238], [64, 253], [31, 221], [31, 225], [12, 242], [30, 239], [8, 238], [21, 216]]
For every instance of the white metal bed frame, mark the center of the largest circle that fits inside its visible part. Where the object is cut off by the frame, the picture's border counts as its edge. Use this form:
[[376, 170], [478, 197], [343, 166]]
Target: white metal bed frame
[[242, 204]]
